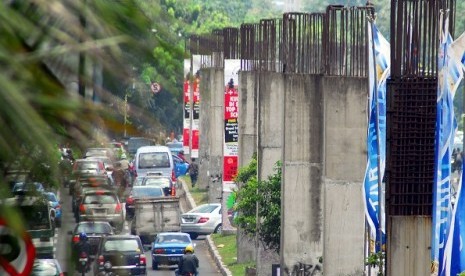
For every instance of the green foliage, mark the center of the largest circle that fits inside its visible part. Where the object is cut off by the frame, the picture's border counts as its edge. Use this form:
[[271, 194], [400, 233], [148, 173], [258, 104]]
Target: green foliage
[[376, 260], [259, 198]]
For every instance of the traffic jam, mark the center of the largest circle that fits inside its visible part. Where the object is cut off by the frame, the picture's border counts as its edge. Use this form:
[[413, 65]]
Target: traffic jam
[[125, 213]]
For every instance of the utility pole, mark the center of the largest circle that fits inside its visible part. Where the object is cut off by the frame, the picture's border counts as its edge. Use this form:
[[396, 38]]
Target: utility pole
[[82, 57], [125, 113]]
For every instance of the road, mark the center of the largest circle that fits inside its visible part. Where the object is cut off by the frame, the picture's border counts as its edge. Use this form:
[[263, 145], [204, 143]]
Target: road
[[63, 249]]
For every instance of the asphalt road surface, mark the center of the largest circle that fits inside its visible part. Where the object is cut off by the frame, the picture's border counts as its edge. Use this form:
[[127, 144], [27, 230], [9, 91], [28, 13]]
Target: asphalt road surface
[[63, 245]]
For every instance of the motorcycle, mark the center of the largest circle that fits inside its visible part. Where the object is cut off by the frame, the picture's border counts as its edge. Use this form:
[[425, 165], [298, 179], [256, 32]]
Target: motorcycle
[[83, 263]]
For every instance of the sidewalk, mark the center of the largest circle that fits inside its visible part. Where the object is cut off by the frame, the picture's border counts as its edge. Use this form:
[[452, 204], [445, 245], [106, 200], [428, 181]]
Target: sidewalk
[[184, 193]]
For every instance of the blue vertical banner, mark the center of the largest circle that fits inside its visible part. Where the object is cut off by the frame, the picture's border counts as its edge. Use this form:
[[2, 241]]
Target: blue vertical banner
[[449, 77], [379, 70], [454, 256]]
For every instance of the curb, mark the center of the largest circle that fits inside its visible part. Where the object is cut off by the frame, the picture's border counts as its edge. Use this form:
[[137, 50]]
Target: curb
[[211, 246]]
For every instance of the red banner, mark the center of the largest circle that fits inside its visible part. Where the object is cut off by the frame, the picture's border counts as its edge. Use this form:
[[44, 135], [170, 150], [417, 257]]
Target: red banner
[[195, 139], [231, 99], [229, 168]]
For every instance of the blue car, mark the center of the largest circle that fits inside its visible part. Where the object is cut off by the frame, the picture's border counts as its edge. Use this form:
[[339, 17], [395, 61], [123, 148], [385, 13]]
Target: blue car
[[168, 248], [56, 206], [180, 166]]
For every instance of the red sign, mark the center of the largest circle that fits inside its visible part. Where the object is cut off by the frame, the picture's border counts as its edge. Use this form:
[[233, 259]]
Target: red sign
[[229, 168], [18, 257], [196, 86], [186, 91], [185, 137], [195, 139], [231, 99]]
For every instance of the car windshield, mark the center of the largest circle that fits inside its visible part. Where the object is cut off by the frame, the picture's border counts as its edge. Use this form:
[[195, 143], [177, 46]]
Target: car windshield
[[51, 197], [147, 192], [99, 199], [204, 209], [44, 268], [86, 166], [154, 160], [28, 187], [173, 239], [162, 182], [122, 245], [95, 228]]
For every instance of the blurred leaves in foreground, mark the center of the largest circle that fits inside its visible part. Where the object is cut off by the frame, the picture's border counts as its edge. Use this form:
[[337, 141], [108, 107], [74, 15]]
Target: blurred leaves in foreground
[[50, 53]]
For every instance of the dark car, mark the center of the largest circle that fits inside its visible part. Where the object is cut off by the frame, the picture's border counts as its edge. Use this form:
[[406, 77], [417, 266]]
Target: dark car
[[141, 192], [87, 168], [46, 267], [121, 255], [95, 230], [28, 188]]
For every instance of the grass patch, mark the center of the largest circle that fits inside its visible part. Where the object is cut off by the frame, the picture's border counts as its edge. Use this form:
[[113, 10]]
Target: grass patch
[[200, 196], [227, 248]]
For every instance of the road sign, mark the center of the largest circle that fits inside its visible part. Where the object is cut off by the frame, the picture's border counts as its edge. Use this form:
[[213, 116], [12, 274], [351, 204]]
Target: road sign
[[17, 252]]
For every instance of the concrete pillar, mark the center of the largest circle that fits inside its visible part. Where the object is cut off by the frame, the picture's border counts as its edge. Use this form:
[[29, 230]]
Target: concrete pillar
[[409, 243], [345, 128], [270, 135], [248, 108], [302, 191], [211, 127]]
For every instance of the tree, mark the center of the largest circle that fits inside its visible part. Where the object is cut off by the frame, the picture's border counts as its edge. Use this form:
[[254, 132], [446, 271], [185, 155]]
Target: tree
[[262, 200]]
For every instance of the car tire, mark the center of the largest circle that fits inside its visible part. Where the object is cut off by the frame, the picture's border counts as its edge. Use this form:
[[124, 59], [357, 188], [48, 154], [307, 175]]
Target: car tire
[[193, 235], [154, 265], [218, 229]]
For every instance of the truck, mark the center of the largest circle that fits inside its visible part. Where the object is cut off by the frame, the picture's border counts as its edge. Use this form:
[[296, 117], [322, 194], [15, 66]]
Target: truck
[[155, 215], [38, 217]]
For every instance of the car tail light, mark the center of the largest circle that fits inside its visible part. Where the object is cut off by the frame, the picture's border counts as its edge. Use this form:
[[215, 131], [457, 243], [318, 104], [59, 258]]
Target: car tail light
[[142, 260], [118, 208], [75, 238], [203, 220], [173, 176], [159, 251], [101, 260], [173, 191], [58, 207], [82, 208], [130, 200]]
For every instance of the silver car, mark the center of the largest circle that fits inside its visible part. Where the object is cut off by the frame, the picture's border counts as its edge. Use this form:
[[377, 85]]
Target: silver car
[[202, 220], [102, 205]]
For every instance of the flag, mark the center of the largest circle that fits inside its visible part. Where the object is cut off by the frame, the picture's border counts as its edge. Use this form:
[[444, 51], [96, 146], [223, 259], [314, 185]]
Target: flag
[[449, 77], [379, 69], [454, 251]]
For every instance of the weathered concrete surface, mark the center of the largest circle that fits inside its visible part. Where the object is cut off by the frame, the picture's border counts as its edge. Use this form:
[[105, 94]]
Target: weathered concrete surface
[[302, 191], [211, 127], [269, 150], [345, 127], [248, 84], [409, 243]]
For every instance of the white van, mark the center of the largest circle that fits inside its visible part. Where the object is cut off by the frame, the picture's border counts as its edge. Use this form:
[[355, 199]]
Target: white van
[[154, 159]]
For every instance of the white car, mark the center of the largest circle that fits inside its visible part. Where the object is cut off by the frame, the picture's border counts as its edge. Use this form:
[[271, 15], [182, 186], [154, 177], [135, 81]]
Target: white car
[[202, 220]]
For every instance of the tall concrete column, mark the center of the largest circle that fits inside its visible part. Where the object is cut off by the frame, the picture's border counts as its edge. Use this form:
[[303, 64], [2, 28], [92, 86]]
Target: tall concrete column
[[248, 112], [345, 130], [211, 127], [270, 135], [301, 187]]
